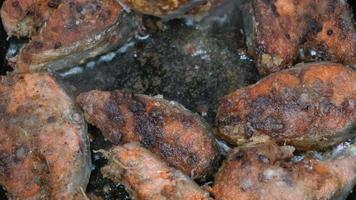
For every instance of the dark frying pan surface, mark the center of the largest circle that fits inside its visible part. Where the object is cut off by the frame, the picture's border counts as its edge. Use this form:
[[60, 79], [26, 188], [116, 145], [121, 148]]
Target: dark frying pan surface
[[3, 48], [163, 64]]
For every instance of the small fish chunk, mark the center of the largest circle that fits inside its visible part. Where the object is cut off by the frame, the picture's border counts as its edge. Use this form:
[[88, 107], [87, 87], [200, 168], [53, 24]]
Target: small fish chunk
[[44, 147], [161, 8], [311, 106], [180, 137], [262, 172], [74, 32], [24, 18], [276, 32], [148, 177]]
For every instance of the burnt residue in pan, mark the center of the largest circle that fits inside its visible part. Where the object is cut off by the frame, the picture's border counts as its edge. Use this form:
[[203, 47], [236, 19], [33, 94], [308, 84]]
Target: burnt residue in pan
[[4, 45], [98, 185], [353, 5], [193, 64]]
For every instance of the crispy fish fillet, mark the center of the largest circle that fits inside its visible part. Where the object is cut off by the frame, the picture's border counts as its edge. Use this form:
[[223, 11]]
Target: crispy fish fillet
[[162, 8], [311, 107], [261, 172], [44, 147], [148, 177], [75, 31], [24, 18], [277, 30], [180, 137]]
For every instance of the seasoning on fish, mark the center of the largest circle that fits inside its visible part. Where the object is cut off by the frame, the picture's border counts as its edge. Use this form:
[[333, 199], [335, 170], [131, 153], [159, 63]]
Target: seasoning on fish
[[44, 145], [24, 18], [261, 171], [148, 177], [276, 32], [74, 32], [162, 8], [180, 137], [311, 106]]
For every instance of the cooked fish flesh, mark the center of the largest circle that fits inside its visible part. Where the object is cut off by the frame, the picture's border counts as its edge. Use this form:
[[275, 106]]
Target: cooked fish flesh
[[74, 32], [276, 31], [311, 106], [148, 177], [24, 18], [180, 137], [44, 147], [262, 172], [162, 8]]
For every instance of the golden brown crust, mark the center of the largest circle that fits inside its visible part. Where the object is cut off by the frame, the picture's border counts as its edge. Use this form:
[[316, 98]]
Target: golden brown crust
[[260, 171], [148, 177], [276, 30], [311, 106], [44, 146], [165, 128]]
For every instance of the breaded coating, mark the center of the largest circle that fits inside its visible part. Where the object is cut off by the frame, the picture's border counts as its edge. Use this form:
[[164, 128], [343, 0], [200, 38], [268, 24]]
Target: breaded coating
[[162, 8], [24, 18], [277, 30], [148, 177], [44, 147], [180, 137], [75, 31], [262, 172], [311, 106]]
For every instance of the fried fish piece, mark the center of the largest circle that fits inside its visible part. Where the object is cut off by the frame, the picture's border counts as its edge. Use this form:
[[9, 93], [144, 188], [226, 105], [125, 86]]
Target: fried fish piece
[[44, 147], [262, 172], [24, 18], [180, 137], [75, 31], [148, 177], [311, 106], [162, 8], [277, 30]]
